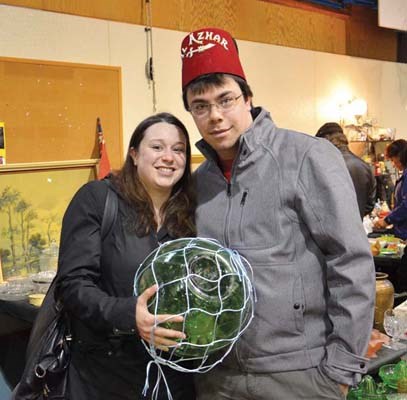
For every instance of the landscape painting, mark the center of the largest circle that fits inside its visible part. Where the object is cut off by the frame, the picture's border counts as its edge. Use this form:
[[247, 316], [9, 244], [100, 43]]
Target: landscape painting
[[32, 204]]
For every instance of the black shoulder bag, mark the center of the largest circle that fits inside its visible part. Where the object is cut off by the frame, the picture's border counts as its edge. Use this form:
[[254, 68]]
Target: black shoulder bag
[[45, 374]]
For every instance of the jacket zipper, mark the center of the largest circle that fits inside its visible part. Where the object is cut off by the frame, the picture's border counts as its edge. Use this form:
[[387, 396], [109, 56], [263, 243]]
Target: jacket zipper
[[243, 201], [227, 220], [242, 204], [229, 196]]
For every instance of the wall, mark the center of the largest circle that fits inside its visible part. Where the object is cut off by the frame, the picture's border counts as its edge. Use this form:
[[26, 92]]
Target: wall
[[296, 85], [392, 14], [282, 22]]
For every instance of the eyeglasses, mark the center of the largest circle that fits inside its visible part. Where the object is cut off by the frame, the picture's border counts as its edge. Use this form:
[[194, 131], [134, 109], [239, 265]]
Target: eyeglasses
[[223, 104]]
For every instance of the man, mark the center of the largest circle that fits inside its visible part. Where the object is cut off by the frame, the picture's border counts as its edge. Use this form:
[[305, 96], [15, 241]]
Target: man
[[360, 172], [284, 201]]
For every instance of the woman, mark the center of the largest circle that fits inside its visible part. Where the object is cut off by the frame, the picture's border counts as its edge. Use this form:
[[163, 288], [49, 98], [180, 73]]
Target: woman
[[96, 277], [397, 153]]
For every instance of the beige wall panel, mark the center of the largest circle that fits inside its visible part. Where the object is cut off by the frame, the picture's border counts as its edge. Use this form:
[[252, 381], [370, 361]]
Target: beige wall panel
[[293, 84], [286, 87], [393, 97]]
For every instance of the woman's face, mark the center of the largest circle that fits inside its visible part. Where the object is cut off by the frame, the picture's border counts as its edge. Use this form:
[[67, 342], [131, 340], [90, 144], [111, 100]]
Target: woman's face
[[160, 158], [396, 163]]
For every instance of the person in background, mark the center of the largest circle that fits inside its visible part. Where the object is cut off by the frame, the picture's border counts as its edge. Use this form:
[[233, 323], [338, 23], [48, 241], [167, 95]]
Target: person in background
[[95, 277], [396, 152], [285, 201], [360, 172]]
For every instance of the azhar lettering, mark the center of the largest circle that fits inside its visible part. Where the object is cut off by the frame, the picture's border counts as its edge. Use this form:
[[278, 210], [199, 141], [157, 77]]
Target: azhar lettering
[[198, 38]]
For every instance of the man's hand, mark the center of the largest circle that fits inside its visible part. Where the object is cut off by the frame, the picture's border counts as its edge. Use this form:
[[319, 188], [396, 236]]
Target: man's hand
[[344, 389], [145, 323]]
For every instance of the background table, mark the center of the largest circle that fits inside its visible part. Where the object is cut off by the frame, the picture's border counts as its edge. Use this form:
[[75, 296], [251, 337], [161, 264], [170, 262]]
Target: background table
[[385, 356], [16, 319]]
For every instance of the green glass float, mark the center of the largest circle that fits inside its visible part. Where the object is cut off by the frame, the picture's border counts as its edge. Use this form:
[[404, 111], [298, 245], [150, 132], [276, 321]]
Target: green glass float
[[209, 285], [393, 374], [368, 389]]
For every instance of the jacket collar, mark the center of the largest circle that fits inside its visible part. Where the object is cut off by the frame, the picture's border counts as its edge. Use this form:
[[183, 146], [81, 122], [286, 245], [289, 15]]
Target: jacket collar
[[246, 141]]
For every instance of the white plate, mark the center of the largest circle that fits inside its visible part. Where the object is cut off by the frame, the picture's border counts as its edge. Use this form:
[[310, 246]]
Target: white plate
[[14, 296], [388, 253]]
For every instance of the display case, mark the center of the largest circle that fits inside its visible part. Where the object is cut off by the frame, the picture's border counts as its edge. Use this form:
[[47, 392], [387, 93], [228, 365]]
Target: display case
[[372, 152]]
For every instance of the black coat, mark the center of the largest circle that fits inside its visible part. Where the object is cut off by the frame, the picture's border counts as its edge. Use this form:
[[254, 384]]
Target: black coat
[[96, 286], [363, 181]]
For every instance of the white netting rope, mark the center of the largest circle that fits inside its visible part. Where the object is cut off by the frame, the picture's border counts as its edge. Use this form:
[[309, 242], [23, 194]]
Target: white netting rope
[[231, 268]]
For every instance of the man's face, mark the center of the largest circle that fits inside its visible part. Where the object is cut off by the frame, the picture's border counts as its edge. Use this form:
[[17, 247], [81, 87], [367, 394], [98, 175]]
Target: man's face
[[222, 128]]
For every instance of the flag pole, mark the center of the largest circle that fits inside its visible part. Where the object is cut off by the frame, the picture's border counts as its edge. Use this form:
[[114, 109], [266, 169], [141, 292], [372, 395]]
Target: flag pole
[[104, 163], [1, 272]]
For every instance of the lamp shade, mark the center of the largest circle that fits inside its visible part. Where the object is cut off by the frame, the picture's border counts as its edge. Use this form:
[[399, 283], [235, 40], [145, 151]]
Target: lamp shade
[[358, 107]]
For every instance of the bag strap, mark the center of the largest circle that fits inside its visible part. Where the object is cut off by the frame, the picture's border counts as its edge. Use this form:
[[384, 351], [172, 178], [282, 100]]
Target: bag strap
[[109, 212]]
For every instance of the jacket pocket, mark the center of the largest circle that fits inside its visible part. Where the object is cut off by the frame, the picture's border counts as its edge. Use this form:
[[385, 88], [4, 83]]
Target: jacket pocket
[[325, 380], [278, 326], [298, 303]]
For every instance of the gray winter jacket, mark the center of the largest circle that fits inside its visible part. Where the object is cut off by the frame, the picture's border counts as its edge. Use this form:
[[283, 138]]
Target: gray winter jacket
[[291, 210]]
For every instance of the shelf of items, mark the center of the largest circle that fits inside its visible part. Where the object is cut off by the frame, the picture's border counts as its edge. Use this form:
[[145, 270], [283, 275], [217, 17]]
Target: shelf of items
[[371, 141], [372, 152]]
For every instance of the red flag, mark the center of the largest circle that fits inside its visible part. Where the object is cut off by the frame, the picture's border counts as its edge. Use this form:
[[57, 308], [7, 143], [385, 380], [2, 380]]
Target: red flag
[[104, 163]]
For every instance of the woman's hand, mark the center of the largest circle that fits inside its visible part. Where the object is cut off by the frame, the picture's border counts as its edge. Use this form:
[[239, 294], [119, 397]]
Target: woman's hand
[[145, 323], [380, 223], [344, 389]]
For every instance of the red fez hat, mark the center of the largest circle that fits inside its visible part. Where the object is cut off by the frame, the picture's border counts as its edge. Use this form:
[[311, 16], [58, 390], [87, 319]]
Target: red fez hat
[[208, 51]]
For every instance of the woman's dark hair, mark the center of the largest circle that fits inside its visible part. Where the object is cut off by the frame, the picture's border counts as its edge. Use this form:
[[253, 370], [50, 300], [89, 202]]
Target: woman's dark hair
[[200, 84], [179, 209], [398, 149]]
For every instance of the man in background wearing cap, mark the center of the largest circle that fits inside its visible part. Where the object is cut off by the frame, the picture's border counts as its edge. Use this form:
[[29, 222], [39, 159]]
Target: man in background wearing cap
[[284, 201], [360, 172]]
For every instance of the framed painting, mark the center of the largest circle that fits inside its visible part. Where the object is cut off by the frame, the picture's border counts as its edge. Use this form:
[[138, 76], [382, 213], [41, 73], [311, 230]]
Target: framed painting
[[33, 200]]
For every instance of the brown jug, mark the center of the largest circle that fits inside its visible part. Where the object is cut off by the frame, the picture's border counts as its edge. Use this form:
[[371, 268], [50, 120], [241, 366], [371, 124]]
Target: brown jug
[[384, 299]]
